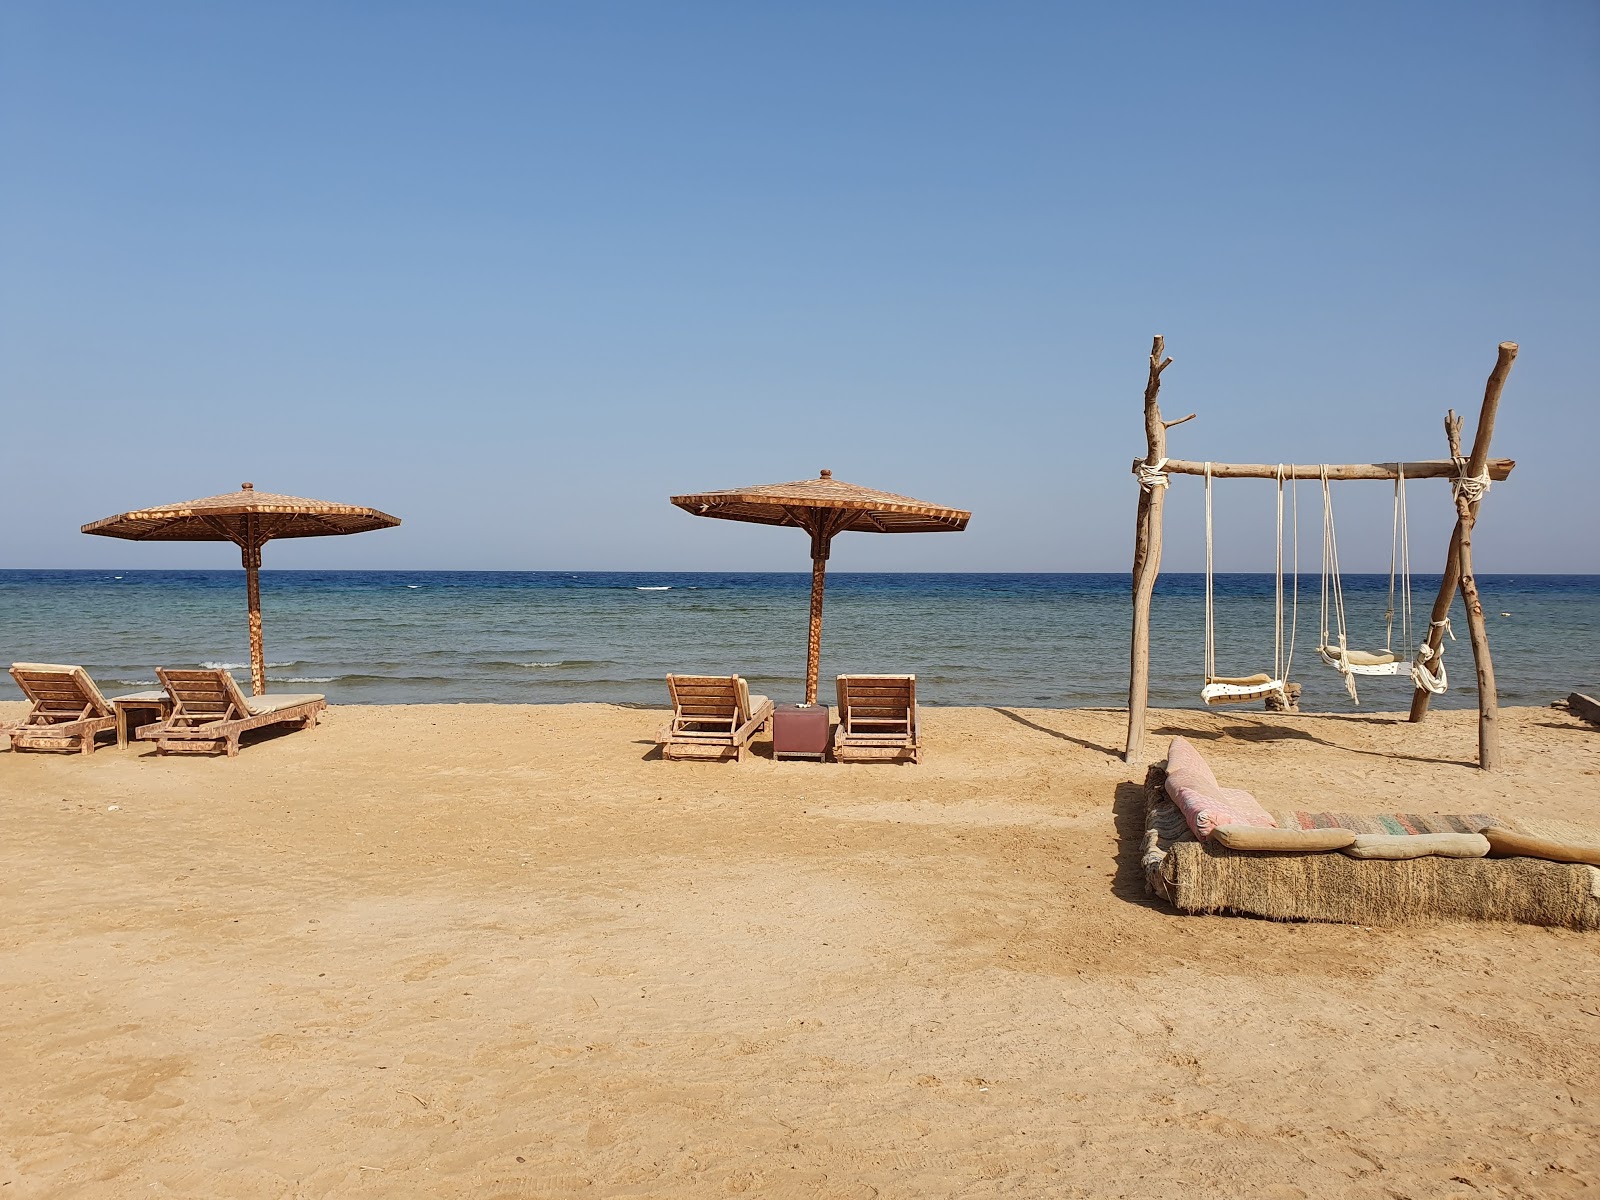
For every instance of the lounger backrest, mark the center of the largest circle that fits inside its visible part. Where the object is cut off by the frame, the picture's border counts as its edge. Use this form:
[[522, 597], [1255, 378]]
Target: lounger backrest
[[204, 695], [877, 703], [60, 691], [707, 698]]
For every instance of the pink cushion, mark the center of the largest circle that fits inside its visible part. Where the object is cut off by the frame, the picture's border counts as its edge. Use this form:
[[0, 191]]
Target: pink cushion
[[1205, 803]]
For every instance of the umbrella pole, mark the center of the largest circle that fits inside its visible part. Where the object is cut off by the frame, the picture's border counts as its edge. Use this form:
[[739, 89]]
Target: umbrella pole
[[251, 552], [819, 570]]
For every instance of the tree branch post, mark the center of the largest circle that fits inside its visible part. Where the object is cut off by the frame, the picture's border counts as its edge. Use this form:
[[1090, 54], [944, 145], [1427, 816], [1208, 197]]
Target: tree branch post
[[1147, 550], [1458, 572]]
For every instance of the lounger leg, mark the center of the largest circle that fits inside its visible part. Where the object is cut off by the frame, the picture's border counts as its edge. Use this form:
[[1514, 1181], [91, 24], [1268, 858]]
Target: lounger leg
[[86, 743], [233, 746]]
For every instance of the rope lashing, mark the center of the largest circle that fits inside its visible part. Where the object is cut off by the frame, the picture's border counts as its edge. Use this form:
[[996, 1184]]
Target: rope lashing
[[1473, 487], [1422, 674], [1152, 475]]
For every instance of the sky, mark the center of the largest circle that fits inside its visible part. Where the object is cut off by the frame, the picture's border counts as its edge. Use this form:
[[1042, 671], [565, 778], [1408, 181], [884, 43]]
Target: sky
[[516, 273]]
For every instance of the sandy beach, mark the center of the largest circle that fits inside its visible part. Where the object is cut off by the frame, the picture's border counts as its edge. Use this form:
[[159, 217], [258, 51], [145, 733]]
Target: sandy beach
[[505, 951]]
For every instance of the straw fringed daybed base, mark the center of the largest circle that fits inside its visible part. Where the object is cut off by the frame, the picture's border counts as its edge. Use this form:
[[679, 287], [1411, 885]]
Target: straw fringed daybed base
[[1201, 877]]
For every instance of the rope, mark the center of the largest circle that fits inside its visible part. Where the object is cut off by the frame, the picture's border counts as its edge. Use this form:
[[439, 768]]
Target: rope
[[1399, 557], [1294, 604], [1422, 674], [1277, 596], [1333, 586], [1152, 475], [1283, 662], [1210, 620], [1473, 487]]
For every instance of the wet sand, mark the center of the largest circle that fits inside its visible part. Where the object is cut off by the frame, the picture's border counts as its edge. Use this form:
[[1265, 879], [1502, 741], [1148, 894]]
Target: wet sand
[[508, 952]]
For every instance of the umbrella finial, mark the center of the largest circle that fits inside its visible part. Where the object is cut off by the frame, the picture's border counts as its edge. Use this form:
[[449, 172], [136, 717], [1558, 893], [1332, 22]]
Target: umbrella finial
[[826, 474], [247, 487]]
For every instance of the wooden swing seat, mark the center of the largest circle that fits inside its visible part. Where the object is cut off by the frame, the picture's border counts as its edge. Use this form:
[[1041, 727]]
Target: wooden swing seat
[[1364, 662], [1238, 689]]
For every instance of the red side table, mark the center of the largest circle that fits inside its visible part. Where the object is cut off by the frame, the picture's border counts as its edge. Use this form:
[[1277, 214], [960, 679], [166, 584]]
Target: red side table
[[800, 731]]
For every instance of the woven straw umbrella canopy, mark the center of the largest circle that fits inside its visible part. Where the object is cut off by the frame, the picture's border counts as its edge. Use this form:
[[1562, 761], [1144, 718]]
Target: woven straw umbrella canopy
[[823, 507], [249, 519]]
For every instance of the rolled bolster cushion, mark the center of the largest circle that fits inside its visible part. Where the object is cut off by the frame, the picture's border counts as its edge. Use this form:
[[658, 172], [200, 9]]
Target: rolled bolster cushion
[[1418, 845], [1503, 843], [1294, 841], [1214, 807], [1205, 804]]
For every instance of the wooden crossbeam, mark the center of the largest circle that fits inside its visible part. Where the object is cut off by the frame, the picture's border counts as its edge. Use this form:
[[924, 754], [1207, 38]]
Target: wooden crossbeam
[[1499, 468]]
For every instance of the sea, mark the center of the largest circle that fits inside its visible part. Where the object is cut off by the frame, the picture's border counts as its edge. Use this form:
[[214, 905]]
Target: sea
[[540, 637]]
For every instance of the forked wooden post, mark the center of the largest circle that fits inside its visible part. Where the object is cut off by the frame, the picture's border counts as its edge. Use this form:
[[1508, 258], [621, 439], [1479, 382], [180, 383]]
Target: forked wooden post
[[1458, 572], [1147, 549]]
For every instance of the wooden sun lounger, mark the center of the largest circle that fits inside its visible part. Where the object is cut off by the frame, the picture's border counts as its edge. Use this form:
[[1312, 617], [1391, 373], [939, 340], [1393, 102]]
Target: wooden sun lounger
[[713, 716], [69, 711], [209, 712], [877, 719]]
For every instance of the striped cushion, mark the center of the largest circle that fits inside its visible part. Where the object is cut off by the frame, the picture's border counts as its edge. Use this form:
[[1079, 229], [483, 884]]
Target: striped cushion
[[1206, 804]]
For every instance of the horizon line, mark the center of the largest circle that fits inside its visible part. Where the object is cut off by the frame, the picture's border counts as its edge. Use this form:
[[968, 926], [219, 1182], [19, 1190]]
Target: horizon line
[[678, 571]]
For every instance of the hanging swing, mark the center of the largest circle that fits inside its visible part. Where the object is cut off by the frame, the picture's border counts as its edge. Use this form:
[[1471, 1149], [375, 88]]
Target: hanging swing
[[1238, 689], [1387, 661]]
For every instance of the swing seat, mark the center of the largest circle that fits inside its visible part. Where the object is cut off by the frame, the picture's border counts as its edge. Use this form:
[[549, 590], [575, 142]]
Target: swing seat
[[1239, 689], [1364, 662]]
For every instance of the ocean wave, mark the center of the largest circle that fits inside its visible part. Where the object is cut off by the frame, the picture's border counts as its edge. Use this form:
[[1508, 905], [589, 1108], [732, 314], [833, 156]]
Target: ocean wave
[[244, 666], [507, 664], [134, 682], [660, 588], [303, 678]]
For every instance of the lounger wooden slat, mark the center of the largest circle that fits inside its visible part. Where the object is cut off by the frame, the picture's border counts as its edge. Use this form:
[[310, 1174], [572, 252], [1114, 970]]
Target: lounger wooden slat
[[209, 712], [877, 719], [713, 716], [68, 709]]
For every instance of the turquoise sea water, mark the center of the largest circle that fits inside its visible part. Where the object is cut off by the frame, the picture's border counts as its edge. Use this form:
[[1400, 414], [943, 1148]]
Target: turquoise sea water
[[1037, 640]]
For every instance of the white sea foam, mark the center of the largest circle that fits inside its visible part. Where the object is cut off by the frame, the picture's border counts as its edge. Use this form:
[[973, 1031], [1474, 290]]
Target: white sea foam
[[244, 666], [541, 664], [413, 585], [305, 679], [666, 588], [133, 683]]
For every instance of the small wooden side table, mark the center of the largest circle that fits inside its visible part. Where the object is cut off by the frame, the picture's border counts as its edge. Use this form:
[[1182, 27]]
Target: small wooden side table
[[156, 702], [800, 731]]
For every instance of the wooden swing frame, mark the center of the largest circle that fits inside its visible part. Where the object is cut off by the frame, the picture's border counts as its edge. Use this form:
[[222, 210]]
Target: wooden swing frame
[[1457, 575]]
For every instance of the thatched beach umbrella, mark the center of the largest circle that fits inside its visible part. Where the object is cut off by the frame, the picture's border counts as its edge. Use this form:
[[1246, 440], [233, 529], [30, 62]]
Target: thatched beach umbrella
[[249, 519], [823, 507]]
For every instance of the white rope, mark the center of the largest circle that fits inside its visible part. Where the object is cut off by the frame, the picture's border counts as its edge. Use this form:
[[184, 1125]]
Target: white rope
[[1152, 476], [1277, 593], [1473, 487], [1423, 675], [1282, 661], [1294, 603], [1406, 632], [1211, 633], [1333, 587]]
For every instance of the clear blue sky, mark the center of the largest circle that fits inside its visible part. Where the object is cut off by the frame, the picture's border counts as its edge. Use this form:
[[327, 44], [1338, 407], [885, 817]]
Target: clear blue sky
[[517, 272]]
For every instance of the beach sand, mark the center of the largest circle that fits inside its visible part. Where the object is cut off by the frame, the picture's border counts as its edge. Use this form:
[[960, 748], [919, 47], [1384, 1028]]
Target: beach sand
[[508, 952]]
